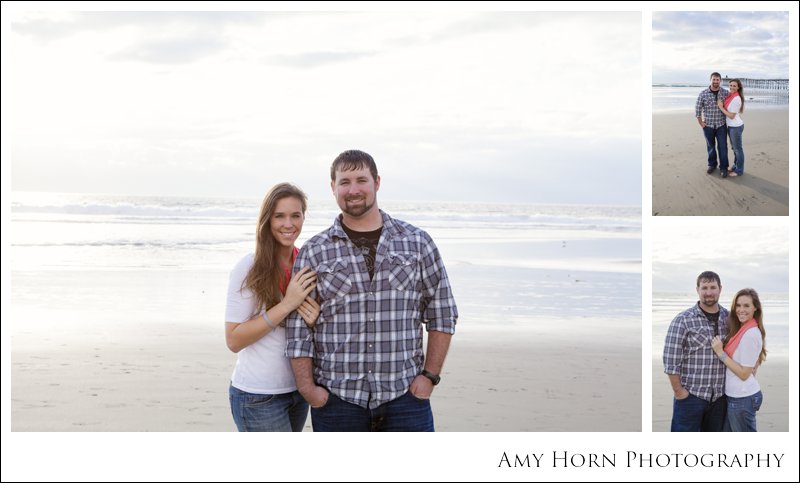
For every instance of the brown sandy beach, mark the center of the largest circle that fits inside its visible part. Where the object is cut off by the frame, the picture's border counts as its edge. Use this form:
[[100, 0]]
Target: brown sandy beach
[[493, 381], [682, 187]]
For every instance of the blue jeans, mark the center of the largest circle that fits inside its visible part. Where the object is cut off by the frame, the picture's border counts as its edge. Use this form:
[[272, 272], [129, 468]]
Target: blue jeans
[[736, 143], [268, 412], [406, 413], [718, 136], [696, 414], [742, 412]]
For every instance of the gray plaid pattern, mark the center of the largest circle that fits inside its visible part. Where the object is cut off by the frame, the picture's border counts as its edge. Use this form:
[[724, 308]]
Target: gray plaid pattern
[[707, 105], [687, 351], [367, 344]]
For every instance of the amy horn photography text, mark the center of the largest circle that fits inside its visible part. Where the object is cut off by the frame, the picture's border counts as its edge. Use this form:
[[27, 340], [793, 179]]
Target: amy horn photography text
[[633, 459]]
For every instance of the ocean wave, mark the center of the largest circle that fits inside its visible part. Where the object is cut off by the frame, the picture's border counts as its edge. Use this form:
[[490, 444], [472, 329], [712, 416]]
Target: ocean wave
[[680, 85], [199, 244], [127, 210], [161, 210]]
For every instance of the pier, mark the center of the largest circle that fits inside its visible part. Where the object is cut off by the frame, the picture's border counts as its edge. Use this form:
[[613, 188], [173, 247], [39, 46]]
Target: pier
[[778, 86]]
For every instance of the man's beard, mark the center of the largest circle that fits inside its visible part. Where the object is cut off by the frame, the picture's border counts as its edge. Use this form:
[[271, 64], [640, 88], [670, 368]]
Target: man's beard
[[713, 301], [359, 209]]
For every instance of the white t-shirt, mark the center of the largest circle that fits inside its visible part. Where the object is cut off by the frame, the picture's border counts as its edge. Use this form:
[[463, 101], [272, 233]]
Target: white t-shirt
[[734, 106], [262, 367], [746, 354]]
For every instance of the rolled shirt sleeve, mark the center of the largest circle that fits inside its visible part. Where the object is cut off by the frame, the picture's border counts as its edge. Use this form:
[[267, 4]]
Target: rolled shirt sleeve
[[438, 307], [698, 106], [674, 346], [299, 338]]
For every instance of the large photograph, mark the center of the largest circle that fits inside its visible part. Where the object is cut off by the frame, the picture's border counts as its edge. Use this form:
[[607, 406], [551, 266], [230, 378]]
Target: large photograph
[[406, 221]]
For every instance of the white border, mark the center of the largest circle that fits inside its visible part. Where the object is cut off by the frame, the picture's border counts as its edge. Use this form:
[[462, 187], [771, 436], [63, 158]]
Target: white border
[[451, 456]]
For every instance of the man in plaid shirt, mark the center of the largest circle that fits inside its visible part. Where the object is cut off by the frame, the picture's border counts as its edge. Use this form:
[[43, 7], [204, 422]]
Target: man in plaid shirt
[[696, 374], [712, 120], [379, 280]]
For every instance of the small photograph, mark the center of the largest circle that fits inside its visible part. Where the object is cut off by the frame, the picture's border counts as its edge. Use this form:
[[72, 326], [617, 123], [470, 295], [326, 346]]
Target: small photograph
[[721, 327], [720, 113]]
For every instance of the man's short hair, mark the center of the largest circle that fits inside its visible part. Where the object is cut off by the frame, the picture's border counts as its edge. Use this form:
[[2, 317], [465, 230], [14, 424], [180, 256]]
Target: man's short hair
[[715, 74], [352, 160], [709, 276]]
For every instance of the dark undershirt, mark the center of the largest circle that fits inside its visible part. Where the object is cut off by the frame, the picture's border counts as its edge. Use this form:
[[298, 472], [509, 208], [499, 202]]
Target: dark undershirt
[[367, 243], [713, 318]]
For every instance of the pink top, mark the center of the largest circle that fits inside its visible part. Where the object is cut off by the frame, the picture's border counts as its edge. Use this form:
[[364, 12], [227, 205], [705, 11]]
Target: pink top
[[288, 271], [732, 344], [728, 100]]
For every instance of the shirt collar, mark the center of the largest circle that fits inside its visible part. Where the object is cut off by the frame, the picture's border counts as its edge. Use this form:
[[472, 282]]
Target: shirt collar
[[390, 226], [696, 310]]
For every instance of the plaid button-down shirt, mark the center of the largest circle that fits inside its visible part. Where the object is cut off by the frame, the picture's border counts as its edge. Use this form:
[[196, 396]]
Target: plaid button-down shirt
[[367, 343], [707, 105], [687, 351]]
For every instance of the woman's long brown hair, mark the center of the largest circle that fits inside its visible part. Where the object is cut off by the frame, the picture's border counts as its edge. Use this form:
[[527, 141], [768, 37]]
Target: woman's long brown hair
[[734, 324], [264, 278]]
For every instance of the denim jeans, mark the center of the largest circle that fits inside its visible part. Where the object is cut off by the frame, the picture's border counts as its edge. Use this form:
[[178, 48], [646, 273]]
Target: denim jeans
[[406, 413], [735, 134], [696, 414], [718, 136], [268, 412], [742, 412]]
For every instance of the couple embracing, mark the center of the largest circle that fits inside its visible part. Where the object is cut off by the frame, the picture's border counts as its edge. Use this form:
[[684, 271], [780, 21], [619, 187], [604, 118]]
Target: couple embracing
[[711, 356], [718, 112], [337, 325]]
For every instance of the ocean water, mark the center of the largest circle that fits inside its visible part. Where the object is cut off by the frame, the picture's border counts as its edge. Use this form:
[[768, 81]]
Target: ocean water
[[155, 258], [682, 97], [776, 319], [67, 231]]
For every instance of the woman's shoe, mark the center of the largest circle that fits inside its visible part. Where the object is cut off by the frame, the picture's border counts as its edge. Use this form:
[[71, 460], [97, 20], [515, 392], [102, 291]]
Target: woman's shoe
[[733, 174]]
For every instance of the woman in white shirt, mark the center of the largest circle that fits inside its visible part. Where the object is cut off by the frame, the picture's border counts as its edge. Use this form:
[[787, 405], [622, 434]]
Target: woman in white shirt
[[261, 293], [743, 352], [732, 106]]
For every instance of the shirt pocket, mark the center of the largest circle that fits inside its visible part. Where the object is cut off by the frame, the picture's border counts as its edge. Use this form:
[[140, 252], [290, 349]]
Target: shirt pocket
[[403, 270], [699, 340], [334, 279]]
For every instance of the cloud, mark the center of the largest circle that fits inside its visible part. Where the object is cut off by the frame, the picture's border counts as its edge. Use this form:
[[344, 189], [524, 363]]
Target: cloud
[[750, 253], [751, 44], [315, 59], [476, 107], [172, 51], [157, 37], [54, 27]]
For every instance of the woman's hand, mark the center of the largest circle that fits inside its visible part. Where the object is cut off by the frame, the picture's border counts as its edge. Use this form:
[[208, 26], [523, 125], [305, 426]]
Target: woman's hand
[[301, 284], [721, 104], [309, 311], [716, 345]]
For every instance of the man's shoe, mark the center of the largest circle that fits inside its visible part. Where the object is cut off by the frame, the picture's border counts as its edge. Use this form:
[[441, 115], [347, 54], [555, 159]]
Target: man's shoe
[[710, 169], [724, 174]]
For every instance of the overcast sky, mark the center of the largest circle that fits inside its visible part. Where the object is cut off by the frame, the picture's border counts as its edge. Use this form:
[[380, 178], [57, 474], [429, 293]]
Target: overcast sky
[[504, 107], [689, 46], [744, 252]]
